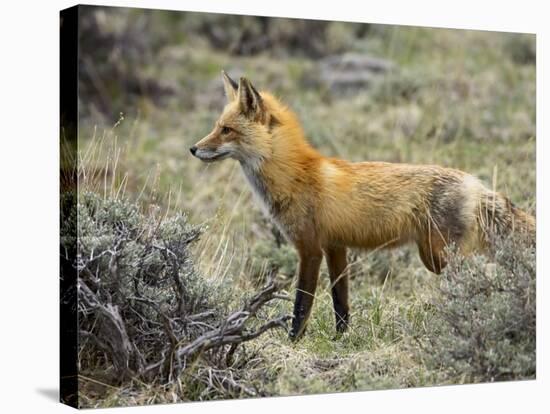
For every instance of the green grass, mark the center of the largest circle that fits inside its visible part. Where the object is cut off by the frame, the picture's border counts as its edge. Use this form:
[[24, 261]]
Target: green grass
[[460, 99]]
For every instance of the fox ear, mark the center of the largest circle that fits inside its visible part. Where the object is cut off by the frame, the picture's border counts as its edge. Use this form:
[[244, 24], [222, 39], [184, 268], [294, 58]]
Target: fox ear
[[230, 87], [250, 101]]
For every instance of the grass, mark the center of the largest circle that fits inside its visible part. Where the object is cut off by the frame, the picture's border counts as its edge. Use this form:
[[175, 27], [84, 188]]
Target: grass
[[464, 99]]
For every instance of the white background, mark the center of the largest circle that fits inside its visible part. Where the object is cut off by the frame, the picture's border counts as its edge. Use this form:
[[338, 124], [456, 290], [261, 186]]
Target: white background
[[29, 158]]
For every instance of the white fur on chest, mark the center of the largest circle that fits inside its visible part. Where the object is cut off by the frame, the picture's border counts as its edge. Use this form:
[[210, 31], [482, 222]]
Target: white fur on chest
[[266, 200], [259, 188]]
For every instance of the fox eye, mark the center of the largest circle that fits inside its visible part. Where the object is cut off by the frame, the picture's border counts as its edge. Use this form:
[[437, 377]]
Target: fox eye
[[226, 130]]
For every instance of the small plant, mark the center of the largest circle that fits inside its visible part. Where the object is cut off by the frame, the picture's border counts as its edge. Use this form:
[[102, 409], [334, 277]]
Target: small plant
[[521, 48], [483, 326], [270, 259]]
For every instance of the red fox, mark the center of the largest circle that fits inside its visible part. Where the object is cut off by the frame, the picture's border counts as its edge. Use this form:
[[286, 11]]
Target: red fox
[[324, 205]]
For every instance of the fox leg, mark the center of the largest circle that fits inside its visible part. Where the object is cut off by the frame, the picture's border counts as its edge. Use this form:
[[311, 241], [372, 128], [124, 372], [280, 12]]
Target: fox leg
[[337, 263], [432, 250], [310, 262]]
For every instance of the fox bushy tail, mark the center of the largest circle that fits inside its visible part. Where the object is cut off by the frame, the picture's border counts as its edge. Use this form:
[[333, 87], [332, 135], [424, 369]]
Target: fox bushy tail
[[499, 216]]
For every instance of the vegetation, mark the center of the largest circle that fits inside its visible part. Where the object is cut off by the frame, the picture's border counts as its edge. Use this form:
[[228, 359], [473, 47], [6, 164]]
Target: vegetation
[[145, 312], [151, 88], [484, 319]]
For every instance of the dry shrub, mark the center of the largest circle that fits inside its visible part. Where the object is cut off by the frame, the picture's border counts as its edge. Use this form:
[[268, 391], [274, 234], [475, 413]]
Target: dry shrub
[[484, 323], [146, 314]]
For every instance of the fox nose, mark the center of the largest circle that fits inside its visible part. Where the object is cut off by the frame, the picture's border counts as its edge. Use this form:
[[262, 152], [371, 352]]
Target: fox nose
[[193, 149]]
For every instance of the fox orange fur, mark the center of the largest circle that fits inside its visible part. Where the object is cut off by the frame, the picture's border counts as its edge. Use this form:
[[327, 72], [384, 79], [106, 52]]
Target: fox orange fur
[[324, 205]]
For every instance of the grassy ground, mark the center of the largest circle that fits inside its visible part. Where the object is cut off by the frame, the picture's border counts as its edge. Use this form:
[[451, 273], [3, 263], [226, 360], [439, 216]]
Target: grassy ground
[[458, 98]]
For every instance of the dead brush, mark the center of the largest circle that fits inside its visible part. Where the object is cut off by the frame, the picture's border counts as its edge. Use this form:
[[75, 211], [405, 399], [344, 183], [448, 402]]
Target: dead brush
[[144, 312], [482, 326]]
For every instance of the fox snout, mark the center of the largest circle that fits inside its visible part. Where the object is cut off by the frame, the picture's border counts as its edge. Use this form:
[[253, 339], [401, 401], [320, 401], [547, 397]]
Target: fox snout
[[209, 150]]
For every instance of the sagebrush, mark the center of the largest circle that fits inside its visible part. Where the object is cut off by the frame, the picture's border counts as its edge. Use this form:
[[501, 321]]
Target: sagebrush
[[146, 314], [484, 319]]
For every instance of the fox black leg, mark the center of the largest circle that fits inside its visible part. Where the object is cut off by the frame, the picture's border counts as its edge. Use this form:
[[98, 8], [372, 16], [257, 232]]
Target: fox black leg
[[310, 262], [337, 264]]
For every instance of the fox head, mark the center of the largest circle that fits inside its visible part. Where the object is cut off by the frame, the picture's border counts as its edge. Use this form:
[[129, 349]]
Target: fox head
[[243, 131]]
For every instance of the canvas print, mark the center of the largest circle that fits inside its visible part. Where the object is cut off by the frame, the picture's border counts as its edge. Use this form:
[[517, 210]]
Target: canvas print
[[255, 206]]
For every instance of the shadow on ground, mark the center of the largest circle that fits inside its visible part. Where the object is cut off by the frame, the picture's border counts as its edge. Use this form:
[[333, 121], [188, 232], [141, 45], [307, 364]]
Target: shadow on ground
[[51, 394]]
